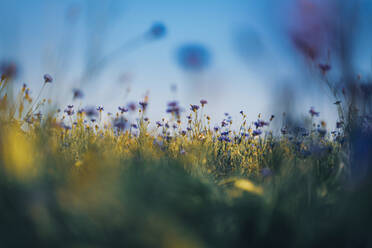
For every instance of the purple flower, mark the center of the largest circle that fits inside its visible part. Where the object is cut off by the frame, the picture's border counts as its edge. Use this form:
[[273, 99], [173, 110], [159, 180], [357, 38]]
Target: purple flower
[[69, 111], [173, 104], [48, 78], [123, 109], [120, 123], [256, 132], [132, 106], [260, 123], [313, 112], [100, 108], [203, 102], [216, 129], [245, 134], [224, 138], [159, 124], [134, 126], [8, 70], [91, 112], [194, 107], [266, 172], [143, 105], [77, 94]]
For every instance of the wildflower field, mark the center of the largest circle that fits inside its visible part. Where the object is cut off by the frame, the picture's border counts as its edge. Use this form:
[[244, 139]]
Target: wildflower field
[[81, 177], [157, 173]]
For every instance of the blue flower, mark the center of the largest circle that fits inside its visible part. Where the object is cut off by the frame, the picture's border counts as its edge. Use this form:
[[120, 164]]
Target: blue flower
[[48, 78], [194, 107], [122, 109], [313, 112], [157, 31], [91, 112], [256, 132], [120, 123], [77, 94], [193, 57], [266, 172]]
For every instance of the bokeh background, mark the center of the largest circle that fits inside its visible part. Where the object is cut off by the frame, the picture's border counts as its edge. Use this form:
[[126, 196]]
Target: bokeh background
[[239, 55]]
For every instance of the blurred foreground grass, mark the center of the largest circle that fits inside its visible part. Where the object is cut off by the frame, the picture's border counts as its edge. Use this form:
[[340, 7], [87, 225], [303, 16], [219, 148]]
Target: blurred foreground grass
[[79, 179]]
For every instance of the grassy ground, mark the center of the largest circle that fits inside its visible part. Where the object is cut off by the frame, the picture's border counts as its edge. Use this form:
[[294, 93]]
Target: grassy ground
[[85, 178]]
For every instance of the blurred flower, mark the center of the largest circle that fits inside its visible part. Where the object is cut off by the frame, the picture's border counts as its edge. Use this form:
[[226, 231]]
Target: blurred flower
[[77, 94], [120, 123], [8, 70], [134, 126], [91, 111], [203, 102], [157, 31], [284, 130], [132, 106], [193, 57], [69, 111], [324, 68], [256, 132], [122, 109], [143, 105], [322, 132], [159, 124], [266, 172], [224, 138], [260, 123], [48, 78], [314, 27], [173, 104], [313, 112]]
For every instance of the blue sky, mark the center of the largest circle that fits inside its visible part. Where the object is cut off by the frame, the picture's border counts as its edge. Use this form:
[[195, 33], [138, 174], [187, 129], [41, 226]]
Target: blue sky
[[37, 34]]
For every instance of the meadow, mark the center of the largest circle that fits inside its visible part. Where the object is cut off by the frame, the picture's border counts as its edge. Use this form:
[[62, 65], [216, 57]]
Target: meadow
[[83, 177]]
